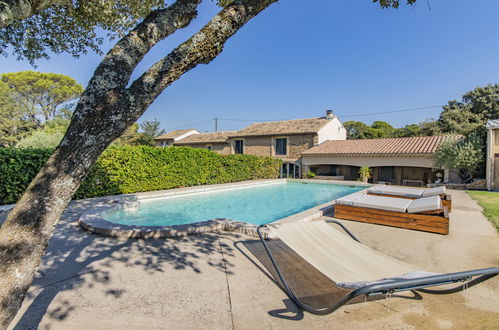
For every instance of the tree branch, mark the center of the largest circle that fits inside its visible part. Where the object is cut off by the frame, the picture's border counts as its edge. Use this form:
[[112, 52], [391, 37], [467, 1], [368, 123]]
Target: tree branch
[[117, 66], [201, 48], [13, 10]]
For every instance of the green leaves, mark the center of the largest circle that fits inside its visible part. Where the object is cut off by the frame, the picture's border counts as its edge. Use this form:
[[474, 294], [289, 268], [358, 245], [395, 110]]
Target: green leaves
[[131, 169], [465, 154]]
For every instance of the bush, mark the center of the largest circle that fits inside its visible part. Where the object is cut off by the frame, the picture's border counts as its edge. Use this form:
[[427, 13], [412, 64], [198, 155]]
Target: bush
[[310, 174], [131, 169], [17, 168]]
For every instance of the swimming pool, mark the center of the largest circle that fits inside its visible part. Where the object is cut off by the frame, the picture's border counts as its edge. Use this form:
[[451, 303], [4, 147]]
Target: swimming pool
[[255, 204]]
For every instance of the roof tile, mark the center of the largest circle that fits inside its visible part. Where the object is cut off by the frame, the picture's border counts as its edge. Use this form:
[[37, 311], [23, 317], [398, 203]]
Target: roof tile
[[409, 145]]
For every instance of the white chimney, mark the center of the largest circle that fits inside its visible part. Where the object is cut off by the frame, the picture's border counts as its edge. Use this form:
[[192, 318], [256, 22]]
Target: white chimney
[[329, 114]]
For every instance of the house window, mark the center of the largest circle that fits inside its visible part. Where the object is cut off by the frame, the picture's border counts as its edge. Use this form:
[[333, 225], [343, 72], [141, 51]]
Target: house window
[[386, 173], [208, 147], [280, 146], [238, 146]]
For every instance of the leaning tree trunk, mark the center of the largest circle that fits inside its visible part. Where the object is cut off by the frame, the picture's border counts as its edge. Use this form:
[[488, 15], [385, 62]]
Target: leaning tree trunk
[[105, 110]]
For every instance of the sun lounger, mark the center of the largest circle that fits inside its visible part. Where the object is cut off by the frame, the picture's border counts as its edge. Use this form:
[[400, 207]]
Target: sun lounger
[[412, 193], [425, 213], [349, 264]]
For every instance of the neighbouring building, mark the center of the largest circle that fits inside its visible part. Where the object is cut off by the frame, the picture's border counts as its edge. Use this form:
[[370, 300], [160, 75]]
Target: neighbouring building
[[287, 139], [172, 137], [492, 169], [216, 141], [399, 161]]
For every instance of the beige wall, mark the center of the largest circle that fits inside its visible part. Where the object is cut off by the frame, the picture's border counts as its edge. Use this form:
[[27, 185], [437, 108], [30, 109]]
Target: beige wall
[[492, 170], [265, 145], [423, 161]]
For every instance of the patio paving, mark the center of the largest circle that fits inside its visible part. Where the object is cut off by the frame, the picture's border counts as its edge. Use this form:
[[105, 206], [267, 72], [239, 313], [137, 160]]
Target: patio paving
[[212, 281]]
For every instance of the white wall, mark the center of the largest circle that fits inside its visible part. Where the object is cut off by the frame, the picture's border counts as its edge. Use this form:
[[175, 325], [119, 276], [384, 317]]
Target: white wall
[[333, 130]]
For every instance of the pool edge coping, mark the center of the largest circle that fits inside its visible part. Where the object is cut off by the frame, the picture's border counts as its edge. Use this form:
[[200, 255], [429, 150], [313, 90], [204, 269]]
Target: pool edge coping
[[94, 222]]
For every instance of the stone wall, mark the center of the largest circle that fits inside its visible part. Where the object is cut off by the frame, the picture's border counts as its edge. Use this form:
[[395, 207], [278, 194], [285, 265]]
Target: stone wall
[[264, 145]]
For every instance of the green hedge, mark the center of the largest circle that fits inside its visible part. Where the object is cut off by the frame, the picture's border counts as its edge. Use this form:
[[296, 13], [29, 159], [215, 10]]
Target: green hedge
[[131, 169]]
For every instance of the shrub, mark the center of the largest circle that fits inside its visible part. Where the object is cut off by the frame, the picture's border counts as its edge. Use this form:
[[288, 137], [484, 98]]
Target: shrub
[[365, 173], [17, 168], [131, 169], [310, 174]]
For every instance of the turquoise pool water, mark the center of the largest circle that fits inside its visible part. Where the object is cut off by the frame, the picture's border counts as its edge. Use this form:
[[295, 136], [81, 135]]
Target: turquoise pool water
[[255, 204]]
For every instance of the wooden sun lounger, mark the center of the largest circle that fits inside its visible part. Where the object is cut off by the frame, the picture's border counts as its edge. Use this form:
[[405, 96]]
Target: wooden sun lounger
[[433, 222], [425, 214]]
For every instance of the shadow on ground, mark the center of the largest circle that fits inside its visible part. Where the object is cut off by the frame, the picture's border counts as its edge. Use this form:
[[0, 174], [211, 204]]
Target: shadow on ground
[[78, 259]]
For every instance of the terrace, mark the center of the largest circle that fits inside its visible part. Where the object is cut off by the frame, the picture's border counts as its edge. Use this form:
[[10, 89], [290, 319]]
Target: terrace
[[221, 280]]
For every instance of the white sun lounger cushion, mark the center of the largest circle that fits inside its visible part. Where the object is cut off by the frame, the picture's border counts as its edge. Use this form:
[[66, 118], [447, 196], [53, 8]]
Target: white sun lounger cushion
[[379, 189], [434, 191], [425, 204], [343, 260], [382, 203], [402, 191]]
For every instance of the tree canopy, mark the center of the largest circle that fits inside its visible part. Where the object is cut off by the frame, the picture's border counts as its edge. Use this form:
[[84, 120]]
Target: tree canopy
[[42, 94]]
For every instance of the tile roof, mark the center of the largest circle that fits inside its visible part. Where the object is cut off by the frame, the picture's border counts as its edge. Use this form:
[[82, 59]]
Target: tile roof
[[493, 123], [296, 126], [215, 137], [409, 145], [173, 134]]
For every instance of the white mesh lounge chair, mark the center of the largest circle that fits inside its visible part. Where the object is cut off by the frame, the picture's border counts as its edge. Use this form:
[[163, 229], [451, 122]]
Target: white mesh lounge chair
[[412, 193], [352, 265], [425, 213]]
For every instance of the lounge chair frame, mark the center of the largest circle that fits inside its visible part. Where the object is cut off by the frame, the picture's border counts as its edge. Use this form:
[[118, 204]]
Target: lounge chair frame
[[434, 222], [418, 284], [446, 198]]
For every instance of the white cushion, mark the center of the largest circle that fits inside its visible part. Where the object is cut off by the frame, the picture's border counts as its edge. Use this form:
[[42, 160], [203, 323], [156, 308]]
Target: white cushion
[[434, 191], [425, 204], [383, 203], [379, 189], [402, 191]]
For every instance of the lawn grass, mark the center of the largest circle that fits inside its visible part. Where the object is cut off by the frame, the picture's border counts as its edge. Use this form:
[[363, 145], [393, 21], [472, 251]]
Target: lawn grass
[[489, 201]]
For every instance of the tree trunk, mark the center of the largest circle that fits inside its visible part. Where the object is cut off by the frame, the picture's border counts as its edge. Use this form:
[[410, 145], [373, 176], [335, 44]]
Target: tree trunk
[[103, 113]]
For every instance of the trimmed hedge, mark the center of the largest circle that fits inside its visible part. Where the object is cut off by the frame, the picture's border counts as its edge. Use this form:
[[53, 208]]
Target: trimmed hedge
[[131, 169]]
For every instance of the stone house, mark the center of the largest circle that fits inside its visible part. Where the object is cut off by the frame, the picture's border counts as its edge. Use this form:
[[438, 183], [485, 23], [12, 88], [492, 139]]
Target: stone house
[[287, 139], [398, 161], [172, 137], [492, 175]]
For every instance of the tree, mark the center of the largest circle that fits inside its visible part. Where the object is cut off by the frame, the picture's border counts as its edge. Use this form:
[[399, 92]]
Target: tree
[[152, 129], [132, 137], [408, 131], [33, 28], [105, 110], [13, 125], [429, 127], [108, 106], [464, 156], [42, 94], [355, 129]]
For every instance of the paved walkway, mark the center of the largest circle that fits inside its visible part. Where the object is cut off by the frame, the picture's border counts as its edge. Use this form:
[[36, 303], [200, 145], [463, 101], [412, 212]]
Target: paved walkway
[[212, 281]]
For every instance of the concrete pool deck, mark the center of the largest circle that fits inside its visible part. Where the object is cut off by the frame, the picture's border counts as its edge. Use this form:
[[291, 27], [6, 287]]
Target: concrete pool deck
[[211, 281]]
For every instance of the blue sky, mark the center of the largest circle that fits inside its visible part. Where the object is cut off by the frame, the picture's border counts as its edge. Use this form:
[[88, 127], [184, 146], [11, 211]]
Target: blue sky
[[299, 58]]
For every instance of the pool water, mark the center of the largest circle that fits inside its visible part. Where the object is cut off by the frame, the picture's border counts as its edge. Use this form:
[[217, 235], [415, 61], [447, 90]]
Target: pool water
[[255, 204]]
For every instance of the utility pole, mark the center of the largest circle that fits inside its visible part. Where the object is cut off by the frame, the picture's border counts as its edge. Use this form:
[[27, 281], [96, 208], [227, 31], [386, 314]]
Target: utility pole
[[216, 124]]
